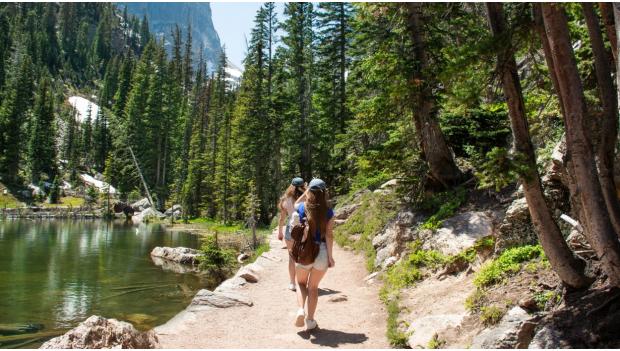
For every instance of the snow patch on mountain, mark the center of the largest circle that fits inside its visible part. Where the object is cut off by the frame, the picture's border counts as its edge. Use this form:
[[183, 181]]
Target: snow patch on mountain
[[81, 106]]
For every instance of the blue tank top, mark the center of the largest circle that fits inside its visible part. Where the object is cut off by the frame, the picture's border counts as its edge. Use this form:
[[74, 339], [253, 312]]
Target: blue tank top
[[302, 217]]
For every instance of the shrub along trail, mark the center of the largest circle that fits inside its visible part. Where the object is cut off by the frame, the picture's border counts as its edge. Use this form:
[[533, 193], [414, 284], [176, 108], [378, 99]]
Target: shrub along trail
[[357, 321]]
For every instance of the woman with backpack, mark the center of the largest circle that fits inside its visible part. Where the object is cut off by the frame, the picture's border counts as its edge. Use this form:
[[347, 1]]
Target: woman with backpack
[[318, 217], [287, 208]]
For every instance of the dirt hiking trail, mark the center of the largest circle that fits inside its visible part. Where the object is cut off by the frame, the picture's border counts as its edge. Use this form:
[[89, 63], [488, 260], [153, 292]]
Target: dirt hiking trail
[[349, 313]]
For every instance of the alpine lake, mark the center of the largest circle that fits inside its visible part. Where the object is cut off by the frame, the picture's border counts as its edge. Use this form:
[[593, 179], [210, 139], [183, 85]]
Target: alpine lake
[[55, 273]]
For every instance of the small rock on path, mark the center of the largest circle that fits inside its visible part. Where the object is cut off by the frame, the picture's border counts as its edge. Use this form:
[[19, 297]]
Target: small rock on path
[[359, 321]]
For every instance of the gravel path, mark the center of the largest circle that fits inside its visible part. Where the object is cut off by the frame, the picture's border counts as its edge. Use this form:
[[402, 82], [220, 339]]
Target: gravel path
[[357, 322]]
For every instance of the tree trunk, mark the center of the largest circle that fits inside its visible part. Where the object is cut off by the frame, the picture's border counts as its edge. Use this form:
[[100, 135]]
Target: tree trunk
[[607, 13], [608, 134], [432, 142], [601, 234], [343, 65], [568, 268], [575, 203]]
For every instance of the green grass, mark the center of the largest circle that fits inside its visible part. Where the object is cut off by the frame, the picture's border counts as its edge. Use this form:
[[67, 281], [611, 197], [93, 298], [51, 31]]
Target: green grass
[[435, 342], [9, 201], [375, 211], [491, 315], [216, 226], [469, 254], [507, 264], [262, 247], [444, 204], [396, 337], [474, 302], [406, 272], [66, 201], [543, 297]]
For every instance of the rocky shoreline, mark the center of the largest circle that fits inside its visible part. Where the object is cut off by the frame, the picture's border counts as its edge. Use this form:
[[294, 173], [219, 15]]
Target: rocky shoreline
[[60, 212], [99, 332]]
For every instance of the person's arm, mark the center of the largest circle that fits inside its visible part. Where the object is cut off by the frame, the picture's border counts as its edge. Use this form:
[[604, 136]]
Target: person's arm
[[329, 237], [281, 222]]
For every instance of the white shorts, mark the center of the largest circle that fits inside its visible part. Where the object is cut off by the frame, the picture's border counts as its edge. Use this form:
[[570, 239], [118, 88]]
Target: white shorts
[[320, 262]]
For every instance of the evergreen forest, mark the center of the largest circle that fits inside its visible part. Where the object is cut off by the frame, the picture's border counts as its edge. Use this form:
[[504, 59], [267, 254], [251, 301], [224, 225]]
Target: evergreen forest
[[436, 95]]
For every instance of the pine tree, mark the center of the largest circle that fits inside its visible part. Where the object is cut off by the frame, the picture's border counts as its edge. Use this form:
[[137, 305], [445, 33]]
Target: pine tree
[[123, 86], [110, 83], [5, 47], [187, 60], [158, 123], [54, 193], [102, 44], [569, 268], [145, 34], [17, 97], [68, 30], [87, 138], [71, 144], [51, 51], [41, 143], [193, 188], [101, 141], [332, 63], [298, 39]]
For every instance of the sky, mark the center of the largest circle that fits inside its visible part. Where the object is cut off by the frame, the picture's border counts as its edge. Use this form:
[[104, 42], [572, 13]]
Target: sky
[[233, 22]]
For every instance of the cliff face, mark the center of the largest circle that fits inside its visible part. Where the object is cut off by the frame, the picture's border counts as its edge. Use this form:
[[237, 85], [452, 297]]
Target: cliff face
[[163, 16]]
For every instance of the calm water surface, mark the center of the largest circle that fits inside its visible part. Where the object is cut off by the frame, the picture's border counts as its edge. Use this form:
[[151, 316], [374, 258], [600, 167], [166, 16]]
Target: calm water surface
[[58, 273]]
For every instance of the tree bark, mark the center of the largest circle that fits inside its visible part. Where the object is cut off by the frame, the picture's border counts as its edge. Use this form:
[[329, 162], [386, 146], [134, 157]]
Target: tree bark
[[609, 124], [607, 13], [602, 237], [570, 174], [432, 142], [568, 268]]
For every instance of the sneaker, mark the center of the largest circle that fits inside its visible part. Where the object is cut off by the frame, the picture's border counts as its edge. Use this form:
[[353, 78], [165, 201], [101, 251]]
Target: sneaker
[[310, 324], [292, 287], [299, 320]]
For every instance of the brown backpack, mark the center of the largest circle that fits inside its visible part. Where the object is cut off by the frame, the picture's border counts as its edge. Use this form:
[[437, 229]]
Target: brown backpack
[[304, 250]]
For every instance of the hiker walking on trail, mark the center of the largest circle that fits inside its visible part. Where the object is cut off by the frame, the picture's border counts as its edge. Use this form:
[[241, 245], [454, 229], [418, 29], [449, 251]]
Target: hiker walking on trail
[[286, 205], [315, 212]]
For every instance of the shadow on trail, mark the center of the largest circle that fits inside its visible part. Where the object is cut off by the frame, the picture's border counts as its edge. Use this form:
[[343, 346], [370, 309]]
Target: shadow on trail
[[323, 292], [332, 338]]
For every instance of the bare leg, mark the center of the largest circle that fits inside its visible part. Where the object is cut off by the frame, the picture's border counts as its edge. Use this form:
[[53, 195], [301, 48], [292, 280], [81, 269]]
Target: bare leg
[[302, 292], [291, 263], [313, 291]]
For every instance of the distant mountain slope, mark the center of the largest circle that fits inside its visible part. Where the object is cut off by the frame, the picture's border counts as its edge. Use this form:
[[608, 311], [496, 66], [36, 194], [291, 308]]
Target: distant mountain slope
[[162, 17]]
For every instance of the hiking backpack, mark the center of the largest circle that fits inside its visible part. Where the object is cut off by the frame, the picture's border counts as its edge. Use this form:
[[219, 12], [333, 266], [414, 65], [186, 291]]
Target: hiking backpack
[[305, 249]]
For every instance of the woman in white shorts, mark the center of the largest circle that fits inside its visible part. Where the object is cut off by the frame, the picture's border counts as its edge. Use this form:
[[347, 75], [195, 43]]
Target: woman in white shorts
[[320, 223], [286, 205]]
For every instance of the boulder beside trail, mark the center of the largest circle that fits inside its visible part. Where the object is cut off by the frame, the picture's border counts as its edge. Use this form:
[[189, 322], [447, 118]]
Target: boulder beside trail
[[175, 267], [147, 214], [393, 239], [250, 272], [515, 330], [220, 299], [460, 232], [141, 204], [182, 255], [174, 211], [516, 227], [97, 332]]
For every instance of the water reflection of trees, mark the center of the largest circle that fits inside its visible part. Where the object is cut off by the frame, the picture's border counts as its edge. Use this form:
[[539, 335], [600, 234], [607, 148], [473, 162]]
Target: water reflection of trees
[[59, 272]]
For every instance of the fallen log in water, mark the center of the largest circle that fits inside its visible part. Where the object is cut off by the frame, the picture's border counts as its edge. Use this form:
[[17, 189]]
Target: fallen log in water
[[138, 286], [28, 338], [136, 290], [12, 329]]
